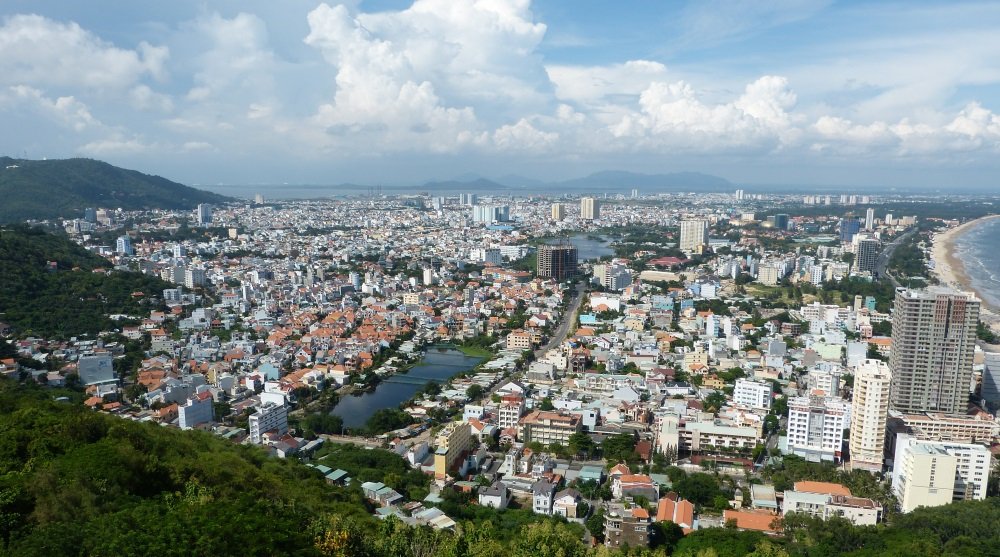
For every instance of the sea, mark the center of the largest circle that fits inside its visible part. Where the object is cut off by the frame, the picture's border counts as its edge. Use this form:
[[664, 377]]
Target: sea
[[978, 248]]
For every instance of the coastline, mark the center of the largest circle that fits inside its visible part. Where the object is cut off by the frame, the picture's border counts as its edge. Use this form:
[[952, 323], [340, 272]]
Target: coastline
[[950, 270]]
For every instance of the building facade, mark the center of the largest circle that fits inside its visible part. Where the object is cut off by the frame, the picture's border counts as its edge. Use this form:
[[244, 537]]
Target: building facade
[[934, 473], [816, 428], [269, 417], [869, 412], [590, 208], [558, 262], [694, 235], [933, 338]]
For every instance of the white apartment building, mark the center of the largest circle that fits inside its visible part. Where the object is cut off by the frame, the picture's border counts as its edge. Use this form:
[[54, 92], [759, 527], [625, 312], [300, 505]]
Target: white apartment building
[[934, 473], [196, 411], [869, 413], [823, 500], [486, 255], [694, 235], [752, 394], [269, 417], [590, 208], [509, 413], [816, 428]]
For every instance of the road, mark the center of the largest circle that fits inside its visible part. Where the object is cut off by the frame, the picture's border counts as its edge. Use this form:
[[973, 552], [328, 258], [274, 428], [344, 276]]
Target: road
[[567, 321], [881, 265]]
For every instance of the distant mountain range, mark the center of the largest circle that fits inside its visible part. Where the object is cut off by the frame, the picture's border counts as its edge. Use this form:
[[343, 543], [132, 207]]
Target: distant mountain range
[[49, 189], [598, 182]]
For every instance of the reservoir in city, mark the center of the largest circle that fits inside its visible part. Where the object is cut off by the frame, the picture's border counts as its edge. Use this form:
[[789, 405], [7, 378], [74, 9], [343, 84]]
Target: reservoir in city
[[589, 247], [438, 364]]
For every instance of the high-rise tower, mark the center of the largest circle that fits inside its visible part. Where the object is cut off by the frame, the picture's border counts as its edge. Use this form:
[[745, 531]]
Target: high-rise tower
[[933, 338]]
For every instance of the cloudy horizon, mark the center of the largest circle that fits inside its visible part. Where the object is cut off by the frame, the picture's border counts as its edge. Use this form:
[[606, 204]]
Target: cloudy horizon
[[810, 92]]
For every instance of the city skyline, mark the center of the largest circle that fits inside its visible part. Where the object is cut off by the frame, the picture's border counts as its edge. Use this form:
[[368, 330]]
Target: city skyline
[[405, 92]]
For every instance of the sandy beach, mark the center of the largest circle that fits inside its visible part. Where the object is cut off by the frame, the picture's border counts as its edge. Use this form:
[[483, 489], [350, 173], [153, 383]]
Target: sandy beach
[[951, 272]]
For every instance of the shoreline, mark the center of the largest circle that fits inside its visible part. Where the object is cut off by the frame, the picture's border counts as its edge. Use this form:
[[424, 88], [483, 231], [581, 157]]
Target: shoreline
[[950, 270]]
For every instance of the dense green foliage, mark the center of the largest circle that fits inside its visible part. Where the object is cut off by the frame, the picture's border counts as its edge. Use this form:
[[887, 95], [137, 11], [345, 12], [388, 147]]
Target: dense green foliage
[[375, 465], [70, 299], [77, 482], [51, 189], [389, 419]]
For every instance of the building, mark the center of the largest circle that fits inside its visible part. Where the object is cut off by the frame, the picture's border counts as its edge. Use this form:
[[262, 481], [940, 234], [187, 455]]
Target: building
[[558, 262], [694, 235], [509, 413], [124, 245], [590, 208], [990, 391], [632, 485], [453, 442], [204, 214], [869, 413], [96, 369], [542, 497], [558, 212], [268, 417], [194, 277], [933, 338], [816, 428], [519, 339], [626, 527], [849, 227], [613, 276], [198, 410], [870, 219], [496, 495], [823, 500], [866, 258], [488, 214], [934, 473], [549, 427], [752, 394], [566, 502], [935, 426], [781, 221]]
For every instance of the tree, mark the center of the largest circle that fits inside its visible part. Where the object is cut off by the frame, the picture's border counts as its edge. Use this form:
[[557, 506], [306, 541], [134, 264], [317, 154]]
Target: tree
[[581, 443], [546, 405], [715, 401], [474, 392], [699, 488], [665, 535], [619, 447], [595, 525]]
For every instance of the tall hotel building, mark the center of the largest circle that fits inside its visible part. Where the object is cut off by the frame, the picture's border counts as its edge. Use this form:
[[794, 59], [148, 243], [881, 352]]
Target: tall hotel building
[[869, 413], [590, 208], [558, 262], [933, 338]]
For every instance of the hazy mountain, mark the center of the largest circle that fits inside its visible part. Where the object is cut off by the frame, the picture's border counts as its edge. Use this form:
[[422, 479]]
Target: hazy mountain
[[48, 189]]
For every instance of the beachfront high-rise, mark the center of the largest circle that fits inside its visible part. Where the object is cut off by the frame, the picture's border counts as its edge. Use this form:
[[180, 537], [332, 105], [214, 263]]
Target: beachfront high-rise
[[933, 338], [869, 413], [590, 208], [694, 235], [557, 261]]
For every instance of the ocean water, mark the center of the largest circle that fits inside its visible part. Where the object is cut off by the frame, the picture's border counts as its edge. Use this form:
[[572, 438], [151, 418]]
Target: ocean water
[[979, 250]]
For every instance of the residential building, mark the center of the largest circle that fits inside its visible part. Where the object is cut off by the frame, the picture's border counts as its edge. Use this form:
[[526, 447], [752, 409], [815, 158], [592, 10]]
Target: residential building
[[631, 485], [849, 226], [990, 391], [934, 473], [558, 262], [509, 413], [936, 426], [866, 256], [198, 410], [823, 500], [933, 338], [269, 417], [626, 527], [590, 208], [694, 235], [558, 212], [869, 413], [542, 497], [519, 339], [752, 394], [96, 369], [496, 495], [453, 442], [816, 428], [124, 245], [204, 214], [679, 511], [566, 502], [549, 427]]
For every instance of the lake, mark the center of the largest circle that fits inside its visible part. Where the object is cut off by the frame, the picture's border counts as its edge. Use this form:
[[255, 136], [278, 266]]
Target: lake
[[588, 248], [438, 364]]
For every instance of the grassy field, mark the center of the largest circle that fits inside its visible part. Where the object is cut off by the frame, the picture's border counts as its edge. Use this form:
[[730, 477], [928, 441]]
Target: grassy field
[[474, 351]]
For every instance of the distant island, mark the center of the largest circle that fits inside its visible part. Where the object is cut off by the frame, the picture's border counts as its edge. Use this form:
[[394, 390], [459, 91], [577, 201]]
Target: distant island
[[51, 189]]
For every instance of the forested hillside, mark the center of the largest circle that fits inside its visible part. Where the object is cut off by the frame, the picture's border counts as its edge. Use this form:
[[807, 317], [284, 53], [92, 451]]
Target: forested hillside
[[68, 298], [46, 189], [75, 482]]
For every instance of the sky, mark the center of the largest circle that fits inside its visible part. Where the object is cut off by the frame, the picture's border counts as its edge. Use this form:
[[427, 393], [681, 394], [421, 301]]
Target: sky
[[401, 92]]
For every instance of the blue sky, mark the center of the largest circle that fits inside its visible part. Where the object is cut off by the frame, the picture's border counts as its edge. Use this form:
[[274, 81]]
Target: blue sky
[[783, 92]]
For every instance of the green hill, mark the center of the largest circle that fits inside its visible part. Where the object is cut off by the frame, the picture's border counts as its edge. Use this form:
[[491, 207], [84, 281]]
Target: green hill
[[67, 299], [49, 189]]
